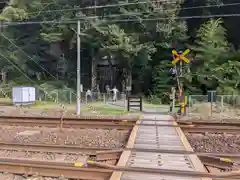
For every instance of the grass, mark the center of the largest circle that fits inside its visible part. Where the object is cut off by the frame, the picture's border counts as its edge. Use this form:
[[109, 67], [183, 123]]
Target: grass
[[156, 106], [5, 101], [149, 105], [99, 107], [107, 110]]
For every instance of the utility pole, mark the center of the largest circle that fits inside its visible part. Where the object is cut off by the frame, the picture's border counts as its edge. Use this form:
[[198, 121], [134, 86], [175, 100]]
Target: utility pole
[[78, 68]]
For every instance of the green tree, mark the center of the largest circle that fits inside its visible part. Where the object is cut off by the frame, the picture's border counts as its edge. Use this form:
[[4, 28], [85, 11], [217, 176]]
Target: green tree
[[210, 47]]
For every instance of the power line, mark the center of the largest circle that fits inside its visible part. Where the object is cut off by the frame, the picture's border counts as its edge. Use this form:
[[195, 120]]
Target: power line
[[142, 13], [73, 21], [126, 4], [208, 6], [5, 37], [102, 6], [96, 7], [17, 68], [29, 58], [22, 72], [70, 21], [180, 17], [186, 8]]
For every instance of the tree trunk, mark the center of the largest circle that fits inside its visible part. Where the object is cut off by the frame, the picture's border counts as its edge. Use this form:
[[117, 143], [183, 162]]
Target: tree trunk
[[110, 71], [94, 74], [129, 81], [3, 73]]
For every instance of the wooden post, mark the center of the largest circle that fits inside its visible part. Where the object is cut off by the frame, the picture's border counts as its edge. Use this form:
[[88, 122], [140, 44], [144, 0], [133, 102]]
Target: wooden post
[[70, 97], [140, 104], [57, 97], [173, 100], [104, 98], [222, 105], [61, 119]]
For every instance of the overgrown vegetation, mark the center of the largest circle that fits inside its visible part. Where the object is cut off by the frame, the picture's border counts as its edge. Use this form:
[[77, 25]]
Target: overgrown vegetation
[[47, 52]]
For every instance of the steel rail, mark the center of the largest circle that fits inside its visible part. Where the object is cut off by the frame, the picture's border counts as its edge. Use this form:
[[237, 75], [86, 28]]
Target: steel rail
[[111, 123], [124, 125], [102, 124], [122, 117], [47, 148], [68, 170], [81, 118], [211, 130], [74, 122], [189, 126], [213, 127], [75, 126], [101, 155], [235, 121], [102, 150], [209, 123], [213, 119], [52, 169], [218, 162]]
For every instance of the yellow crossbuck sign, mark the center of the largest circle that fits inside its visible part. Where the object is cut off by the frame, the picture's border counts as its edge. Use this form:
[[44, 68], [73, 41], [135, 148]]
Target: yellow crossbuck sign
[[180, 56]]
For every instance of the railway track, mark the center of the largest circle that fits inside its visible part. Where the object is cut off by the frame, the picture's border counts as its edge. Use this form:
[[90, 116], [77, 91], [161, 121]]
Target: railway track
[[81, 118], [68, 170], [120, 123], [100, 154], [235, 124], [94, 171], [98, 171], [108, 123], [101, 151], [51, 169], [211, 127]]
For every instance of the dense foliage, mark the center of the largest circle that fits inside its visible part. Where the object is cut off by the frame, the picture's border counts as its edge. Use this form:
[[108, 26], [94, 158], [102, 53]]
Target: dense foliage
[[46, 52]]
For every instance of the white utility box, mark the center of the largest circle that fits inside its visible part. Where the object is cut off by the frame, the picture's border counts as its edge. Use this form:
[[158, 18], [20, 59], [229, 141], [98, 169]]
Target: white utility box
[[23, 95]]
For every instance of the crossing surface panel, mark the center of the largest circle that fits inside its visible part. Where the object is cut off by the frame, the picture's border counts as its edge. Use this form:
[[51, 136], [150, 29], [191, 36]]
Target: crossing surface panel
[[164, 138]]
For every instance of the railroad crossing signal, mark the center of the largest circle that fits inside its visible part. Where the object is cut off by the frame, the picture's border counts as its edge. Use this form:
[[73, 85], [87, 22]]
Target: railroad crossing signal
[[178, 57]]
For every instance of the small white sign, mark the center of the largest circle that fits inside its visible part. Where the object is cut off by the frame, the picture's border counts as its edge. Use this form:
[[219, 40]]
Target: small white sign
[[81, 88]]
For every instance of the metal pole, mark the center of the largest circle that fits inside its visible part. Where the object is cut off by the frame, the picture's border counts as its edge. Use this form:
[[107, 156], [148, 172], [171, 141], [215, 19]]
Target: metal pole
[[78, 69], [181, 68], [173, 101]]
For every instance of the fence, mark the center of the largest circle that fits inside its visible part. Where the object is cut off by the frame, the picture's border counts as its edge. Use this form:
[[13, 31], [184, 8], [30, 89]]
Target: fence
[[67, 96], [55, 102], [225, 106], [48, 99]]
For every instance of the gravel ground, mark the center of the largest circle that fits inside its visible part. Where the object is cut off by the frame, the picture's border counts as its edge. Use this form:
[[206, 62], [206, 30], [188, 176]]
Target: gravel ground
[[225, 143], [80, 137], [43, 156], [8, 176]]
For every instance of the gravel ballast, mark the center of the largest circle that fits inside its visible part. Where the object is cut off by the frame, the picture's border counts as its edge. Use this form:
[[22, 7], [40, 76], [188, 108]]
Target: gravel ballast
[[225, 143], [8, 176], [39, 135], [80, 137]]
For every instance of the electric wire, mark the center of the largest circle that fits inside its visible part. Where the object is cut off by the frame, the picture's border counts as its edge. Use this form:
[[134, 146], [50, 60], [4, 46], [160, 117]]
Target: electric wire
[[116, 15], [127, 4], [73, 21]]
